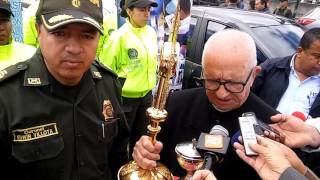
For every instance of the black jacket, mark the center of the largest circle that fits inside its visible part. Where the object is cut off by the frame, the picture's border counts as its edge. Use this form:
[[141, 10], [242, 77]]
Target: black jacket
[[272, 82], [190, 113]]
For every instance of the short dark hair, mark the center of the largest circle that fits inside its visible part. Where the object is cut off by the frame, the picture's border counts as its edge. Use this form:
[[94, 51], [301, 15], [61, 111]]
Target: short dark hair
[[185, 6], [233, 1], [309, 37], [264, 2]]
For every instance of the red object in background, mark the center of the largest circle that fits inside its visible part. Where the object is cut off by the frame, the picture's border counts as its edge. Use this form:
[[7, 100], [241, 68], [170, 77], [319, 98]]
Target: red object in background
[[305, 21], [299, 115]]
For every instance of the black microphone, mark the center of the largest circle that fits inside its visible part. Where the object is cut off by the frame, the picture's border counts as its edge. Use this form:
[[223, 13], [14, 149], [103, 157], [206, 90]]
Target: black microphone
[[213, 146]]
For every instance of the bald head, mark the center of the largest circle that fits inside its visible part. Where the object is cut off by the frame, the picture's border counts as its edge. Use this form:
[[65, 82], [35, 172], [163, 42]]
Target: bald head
[[230, 47], [229, 62]]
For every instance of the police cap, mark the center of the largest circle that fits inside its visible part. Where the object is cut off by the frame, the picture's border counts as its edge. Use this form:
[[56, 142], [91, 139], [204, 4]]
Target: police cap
[[54, 14], [136, 3], [5, 6]]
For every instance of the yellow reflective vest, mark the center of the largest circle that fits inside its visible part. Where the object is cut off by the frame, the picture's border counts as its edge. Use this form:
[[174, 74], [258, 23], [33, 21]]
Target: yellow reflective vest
[[15, 52], [132, 53]]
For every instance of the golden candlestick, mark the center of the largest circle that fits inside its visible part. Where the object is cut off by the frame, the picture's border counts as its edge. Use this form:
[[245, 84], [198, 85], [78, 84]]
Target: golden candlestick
[[157, 113]]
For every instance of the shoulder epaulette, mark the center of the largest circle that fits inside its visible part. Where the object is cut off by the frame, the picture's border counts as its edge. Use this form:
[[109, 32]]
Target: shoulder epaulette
[[104, 67], [12, 70]]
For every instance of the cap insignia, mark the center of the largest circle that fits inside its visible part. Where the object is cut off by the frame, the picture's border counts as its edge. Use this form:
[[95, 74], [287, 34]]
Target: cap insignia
[[76, 3], [95, 2]]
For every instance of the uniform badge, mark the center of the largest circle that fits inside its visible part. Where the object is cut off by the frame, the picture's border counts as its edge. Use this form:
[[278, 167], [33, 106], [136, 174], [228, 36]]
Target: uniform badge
[[107, 110], [97, 74], [34, 81], [133, 53], [3, 73]]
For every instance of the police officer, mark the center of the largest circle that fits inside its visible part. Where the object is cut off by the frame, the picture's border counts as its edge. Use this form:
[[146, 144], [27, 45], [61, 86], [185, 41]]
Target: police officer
[[11, 52], [60, 114], [131, 52]]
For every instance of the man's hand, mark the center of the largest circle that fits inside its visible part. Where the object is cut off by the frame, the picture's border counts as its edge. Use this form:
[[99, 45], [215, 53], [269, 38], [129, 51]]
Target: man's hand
[[297, 133], [145, 153], [203, 175], [270, 161]]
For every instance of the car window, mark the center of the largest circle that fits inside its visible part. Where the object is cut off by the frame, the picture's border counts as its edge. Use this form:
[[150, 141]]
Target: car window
[[212, 28], [193, 22], [315, 13], [279, 41]]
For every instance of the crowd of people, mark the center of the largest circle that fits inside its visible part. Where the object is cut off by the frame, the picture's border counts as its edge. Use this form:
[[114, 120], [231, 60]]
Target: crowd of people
[[66, 115]]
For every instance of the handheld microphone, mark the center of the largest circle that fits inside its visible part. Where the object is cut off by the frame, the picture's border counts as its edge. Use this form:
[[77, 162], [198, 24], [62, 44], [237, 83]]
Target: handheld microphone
[[213, 146]]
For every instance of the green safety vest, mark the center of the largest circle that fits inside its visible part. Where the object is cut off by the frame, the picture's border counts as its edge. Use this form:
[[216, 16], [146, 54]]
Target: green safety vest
[[132, 53], [15, 52]]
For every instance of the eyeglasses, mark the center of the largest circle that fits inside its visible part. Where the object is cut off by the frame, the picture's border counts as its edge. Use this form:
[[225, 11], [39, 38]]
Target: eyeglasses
[[233, 87]]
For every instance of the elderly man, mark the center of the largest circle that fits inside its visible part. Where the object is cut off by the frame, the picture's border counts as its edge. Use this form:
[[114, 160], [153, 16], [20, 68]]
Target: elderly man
[[11, 52], [227, 78], [53, 123]]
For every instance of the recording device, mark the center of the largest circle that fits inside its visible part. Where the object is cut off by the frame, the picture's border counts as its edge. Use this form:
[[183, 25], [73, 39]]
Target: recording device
[[213, 146], [248, 133], [259, 126]]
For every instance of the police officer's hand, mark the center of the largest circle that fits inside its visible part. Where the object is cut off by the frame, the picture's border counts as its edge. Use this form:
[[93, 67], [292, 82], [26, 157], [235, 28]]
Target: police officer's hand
[[145, 153], [203, 175]]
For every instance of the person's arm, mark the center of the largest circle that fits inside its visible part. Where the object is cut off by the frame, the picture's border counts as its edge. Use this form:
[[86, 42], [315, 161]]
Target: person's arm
[[272, 160], [297, 133], [291, 174], [110, 54], [310, 175]]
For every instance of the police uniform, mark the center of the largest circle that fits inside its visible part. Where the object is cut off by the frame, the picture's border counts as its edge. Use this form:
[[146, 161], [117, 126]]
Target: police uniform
[[51, 131], [132, 53]]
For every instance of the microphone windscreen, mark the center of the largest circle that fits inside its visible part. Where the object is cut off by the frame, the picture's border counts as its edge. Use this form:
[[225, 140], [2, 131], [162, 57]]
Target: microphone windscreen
[[219, 130], [299, 115], [235, 137]]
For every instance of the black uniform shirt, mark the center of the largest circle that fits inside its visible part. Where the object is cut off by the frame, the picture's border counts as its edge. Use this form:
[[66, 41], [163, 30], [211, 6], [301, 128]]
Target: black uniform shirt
[[50, 131]]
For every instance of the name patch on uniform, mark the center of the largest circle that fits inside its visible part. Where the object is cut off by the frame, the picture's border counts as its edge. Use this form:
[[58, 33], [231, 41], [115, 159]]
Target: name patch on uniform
[[37, 132]]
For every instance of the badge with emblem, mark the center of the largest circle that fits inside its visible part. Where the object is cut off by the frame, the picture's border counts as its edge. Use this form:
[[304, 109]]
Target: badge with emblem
[[107, 110], [133, 53]]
